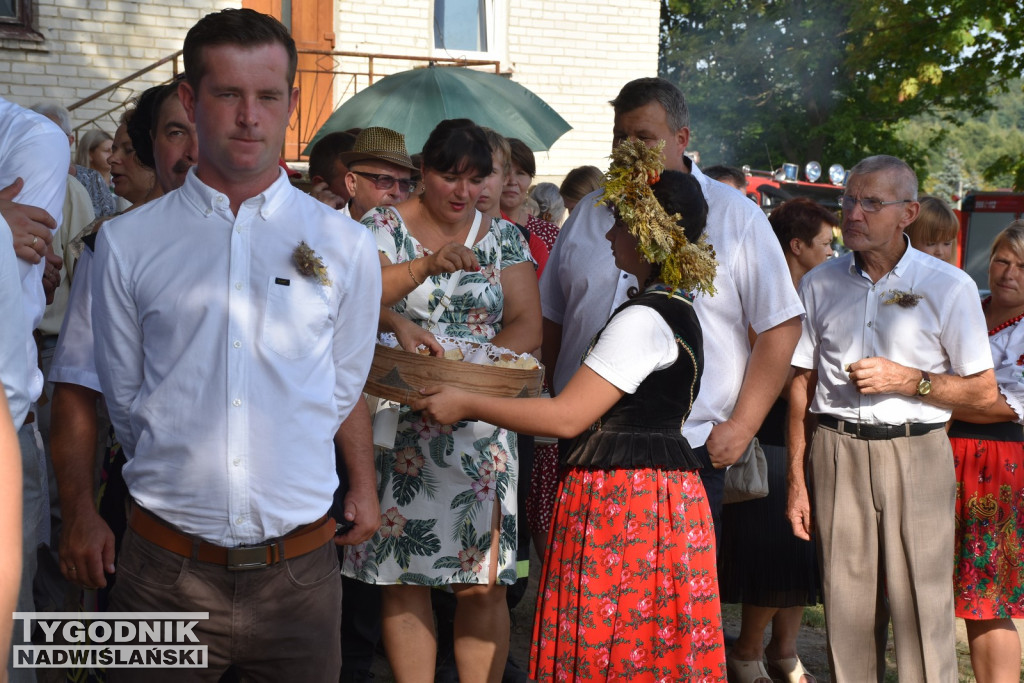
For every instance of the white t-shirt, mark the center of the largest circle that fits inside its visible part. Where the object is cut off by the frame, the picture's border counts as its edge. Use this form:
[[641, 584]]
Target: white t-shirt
[[635, 343]]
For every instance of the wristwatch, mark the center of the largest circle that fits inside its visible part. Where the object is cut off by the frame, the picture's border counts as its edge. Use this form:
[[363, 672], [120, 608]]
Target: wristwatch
[[924, 387]]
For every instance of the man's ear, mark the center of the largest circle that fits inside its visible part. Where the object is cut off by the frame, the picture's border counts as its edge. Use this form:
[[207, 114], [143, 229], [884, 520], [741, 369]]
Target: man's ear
[[350, 183], [796, 245], [188, 100], [683, 138]]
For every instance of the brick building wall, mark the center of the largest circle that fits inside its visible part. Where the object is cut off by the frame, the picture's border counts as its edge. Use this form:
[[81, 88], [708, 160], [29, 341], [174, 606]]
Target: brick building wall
[[573, 54]]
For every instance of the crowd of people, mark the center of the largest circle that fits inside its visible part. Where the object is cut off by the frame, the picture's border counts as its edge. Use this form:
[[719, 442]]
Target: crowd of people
[[202, 441]]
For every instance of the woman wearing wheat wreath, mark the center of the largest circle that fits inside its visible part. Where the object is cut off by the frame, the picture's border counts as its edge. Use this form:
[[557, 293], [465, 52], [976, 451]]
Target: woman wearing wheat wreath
[[629, 590]]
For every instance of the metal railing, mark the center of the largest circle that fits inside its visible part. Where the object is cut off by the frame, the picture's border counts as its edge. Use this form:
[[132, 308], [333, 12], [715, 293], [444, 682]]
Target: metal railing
[[333, 77]]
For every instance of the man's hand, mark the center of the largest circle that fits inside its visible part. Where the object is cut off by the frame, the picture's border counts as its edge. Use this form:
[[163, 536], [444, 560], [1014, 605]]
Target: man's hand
[[882, 376], [51, 274], [362, 508], [320, 192], [31, 226], [798, 510], [86, 548], [727, 442]]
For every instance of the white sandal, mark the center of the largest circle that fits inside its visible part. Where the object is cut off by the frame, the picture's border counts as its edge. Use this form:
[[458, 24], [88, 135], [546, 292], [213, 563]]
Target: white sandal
[[746, 670], [791, 670]]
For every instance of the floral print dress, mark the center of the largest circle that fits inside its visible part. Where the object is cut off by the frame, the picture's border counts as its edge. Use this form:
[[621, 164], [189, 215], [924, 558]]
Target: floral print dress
[[438, 486]]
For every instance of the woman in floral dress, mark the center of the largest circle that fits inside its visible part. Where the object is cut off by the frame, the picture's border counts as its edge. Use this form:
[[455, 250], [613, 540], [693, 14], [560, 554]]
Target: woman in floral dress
[[988, 451], [448, 494], [629, 588]]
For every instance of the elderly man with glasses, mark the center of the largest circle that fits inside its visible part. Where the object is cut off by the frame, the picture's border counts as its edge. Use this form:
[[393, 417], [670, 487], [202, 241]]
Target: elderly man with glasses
[[379, 171], [893, 340]]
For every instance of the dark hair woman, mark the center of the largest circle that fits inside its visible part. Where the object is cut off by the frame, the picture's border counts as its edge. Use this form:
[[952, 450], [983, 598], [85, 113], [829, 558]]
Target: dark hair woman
[[448, 493]]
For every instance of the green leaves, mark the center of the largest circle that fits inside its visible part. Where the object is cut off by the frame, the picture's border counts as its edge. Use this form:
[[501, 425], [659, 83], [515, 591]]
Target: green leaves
[[831, 80]]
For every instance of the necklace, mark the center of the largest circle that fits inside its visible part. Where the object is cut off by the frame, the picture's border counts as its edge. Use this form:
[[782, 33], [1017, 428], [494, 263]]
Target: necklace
[[1001, 326]]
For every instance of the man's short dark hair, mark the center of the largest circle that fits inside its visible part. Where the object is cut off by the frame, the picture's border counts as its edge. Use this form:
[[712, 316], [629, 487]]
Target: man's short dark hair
[[722, 172], [141, 122], [326, 151], [640, 92], [166, 92], [241, 27]]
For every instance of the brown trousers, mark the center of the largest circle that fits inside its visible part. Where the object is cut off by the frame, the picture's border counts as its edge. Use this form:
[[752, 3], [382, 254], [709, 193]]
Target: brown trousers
[[278, 623], [883, 514]]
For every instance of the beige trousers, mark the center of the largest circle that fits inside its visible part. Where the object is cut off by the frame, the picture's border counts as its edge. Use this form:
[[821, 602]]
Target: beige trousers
[[883, 514]]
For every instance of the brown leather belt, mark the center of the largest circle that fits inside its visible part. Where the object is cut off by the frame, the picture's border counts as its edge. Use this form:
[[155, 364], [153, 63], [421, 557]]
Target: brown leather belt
[[302, 540]]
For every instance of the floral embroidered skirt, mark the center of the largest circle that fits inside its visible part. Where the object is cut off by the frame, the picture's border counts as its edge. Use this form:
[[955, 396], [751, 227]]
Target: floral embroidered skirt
[[629, 591], [989, 574]]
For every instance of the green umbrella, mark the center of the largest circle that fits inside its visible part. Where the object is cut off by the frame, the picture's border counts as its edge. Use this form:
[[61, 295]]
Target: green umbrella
[[413, 102]]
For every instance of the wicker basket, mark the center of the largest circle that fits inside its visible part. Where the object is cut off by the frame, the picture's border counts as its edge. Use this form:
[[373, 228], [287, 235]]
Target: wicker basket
[[398, 375]]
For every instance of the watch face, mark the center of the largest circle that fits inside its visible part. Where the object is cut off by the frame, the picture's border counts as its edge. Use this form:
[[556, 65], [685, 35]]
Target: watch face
[[924, 387]]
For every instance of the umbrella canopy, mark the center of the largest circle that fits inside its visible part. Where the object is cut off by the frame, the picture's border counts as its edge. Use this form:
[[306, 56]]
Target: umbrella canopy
[[413, 102]]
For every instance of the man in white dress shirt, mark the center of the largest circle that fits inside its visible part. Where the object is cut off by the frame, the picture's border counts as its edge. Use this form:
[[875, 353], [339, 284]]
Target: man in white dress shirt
[[235, 320], [893, 341]]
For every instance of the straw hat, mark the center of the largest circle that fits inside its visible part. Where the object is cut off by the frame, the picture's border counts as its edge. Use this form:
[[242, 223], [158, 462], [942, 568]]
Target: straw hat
[[379, 144]]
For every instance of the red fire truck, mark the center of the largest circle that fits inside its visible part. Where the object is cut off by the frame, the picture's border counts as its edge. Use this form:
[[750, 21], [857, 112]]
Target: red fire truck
[[982, 216], [771, 188]]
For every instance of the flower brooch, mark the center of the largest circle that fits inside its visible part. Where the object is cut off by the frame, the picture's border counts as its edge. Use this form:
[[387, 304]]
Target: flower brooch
[[903, 299], [309, 263]]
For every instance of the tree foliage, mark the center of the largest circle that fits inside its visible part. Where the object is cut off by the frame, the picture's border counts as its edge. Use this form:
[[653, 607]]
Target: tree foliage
[[832, 80]]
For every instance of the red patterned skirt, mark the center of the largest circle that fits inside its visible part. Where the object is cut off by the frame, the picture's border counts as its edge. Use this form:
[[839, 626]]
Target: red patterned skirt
[[630, 590], [989, 576]]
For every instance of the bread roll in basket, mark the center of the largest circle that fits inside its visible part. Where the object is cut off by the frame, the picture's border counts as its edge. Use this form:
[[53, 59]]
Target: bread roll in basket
[[398, 375]]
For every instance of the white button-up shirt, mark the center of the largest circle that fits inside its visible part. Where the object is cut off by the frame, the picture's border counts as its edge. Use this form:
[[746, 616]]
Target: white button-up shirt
[[226, 371], [848, 319], [34, 149]]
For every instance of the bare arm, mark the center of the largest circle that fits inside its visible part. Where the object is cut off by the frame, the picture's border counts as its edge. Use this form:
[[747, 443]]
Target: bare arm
[[584, 400], [86, 541], [1000, 411], [399, 279], [520, 317], [767, 370], [801, 425], [355, 441], [877, 375], [10, 523]]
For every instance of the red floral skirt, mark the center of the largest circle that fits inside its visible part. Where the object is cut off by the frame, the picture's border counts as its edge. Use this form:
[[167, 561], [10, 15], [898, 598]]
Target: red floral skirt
[[989, 576], [630, 590]]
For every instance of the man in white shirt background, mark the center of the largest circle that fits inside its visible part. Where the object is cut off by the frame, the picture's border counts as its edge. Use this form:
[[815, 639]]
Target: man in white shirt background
[[230, 349], [893, 341]]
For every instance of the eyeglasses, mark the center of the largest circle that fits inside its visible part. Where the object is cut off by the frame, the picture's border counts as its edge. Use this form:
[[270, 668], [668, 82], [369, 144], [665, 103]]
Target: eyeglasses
[[869, 204], [386, 182]]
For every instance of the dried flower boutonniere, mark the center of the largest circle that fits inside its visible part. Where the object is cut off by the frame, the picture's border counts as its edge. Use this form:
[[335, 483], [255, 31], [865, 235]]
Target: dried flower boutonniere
[[309, 263], [903, 299]]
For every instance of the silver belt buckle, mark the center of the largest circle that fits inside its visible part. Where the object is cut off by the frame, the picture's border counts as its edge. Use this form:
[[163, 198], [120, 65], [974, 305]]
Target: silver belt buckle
[[244, 558]]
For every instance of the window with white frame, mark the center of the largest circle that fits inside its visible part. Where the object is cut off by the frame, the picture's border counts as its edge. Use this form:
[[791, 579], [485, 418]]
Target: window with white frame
[[469, 26]]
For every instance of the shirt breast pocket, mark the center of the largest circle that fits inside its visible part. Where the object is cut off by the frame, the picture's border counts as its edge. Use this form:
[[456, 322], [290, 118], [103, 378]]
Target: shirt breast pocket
[[295, 323]]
